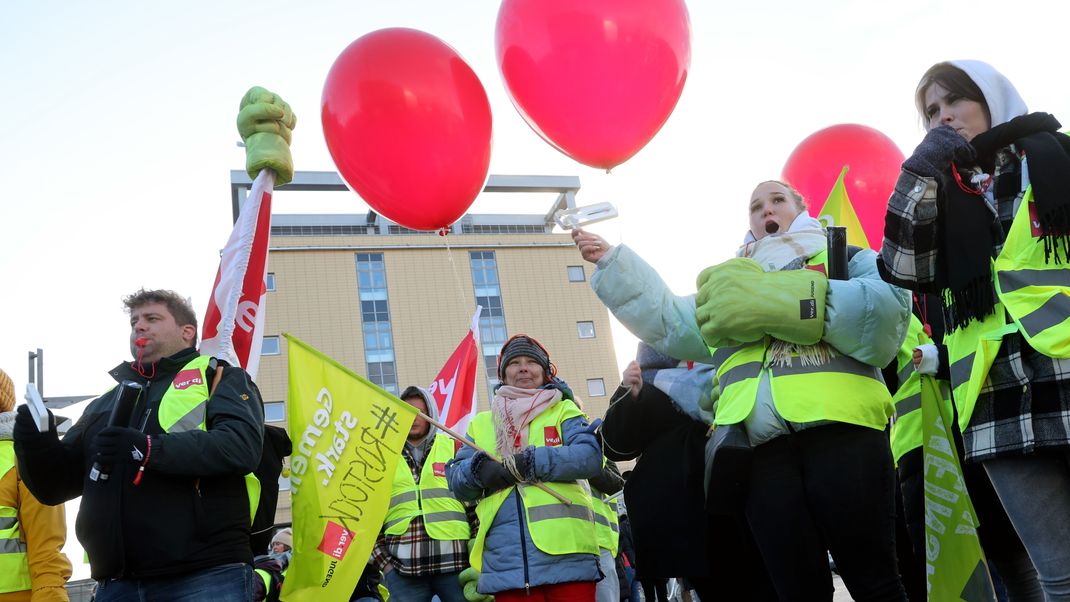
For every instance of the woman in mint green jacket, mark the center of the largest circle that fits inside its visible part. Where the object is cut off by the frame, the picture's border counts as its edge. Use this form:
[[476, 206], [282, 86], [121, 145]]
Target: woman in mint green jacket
[[799, 359]]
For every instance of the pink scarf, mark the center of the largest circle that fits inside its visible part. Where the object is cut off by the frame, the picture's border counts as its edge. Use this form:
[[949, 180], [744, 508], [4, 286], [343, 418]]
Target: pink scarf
[[513, 409]]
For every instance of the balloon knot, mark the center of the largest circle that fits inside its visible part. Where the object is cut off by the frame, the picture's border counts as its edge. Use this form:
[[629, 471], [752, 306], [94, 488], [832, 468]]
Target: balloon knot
[[444, 231]]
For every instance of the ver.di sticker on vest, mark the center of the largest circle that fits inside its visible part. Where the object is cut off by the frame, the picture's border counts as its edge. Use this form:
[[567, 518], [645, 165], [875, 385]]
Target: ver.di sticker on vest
[[551, 436], [187, 378]]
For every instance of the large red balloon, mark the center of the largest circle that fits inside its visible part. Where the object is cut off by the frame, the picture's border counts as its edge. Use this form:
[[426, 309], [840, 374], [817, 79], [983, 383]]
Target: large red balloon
[[874, 162], [595, 78], [408, 125]]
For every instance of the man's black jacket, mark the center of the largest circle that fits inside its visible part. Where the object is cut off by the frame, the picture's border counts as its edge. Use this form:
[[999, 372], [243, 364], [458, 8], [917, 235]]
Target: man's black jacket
[[190, 510]]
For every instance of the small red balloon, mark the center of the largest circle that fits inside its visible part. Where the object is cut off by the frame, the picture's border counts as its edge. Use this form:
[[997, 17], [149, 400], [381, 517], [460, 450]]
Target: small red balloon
[[408, 125], [595, 78], [874, 162]]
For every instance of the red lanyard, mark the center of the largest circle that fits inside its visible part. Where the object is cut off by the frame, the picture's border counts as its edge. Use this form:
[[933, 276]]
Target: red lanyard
[[923, 309], [981, 189]]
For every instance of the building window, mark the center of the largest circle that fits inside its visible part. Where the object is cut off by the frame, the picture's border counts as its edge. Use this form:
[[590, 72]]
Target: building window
[[596, 387], [492, 329], [274, 411], [270, 346], [270, 281], [375, 320], [585, 329], [575, 273]]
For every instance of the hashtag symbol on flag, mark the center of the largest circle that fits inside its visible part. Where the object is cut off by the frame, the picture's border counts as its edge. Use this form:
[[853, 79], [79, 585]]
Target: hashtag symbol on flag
[[387, 420]]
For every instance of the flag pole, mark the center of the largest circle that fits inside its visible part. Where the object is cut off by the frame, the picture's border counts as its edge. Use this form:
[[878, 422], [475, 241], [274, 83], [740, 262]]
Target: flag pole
[[471, 444]]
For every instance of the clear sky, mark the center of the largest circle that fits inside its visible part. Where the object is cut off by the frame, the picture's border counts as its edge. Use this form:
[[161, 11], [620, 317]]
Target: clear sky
[[118, 133]]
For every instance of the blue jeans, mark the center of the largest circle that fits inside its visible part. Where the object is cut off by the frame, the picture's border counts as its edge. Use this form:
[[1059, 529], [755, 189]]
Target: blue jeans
[[1035, 491], [220, 583], [421, 589]]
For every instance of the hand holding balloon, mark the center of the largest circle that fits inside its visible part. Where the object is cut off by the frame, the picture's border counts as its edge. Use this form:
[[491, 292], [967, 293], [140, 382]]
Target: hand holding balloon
[[592, 247], [632, 379]]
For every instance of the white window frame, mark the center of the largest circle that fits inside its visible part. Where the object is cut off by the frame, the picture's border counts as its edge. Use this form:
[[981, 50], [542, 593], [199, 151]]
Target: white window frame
[[579, 329], [597, 382]]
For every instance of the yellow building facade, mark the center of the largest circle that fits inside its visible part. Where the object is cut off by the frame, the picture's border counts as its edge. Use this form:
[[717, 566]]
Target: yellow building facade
[[392, 304]]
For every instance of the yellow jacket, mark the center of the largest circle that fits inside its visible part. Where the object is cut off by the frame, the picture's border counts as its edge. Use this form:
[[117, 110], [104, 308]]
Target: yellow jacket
[[45, 530]]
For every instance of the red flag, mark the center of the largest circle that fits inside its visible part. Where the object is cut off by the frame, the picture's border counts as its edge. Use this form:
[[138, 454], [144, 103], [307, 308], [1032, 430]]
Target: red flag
[[234, 323], [454, 388]]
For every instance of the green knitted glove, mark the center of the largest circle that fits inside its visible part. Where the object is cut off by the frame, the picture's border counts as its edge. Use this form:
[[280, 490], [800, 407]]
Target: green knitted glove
[[721, 306], [265, 123], [738, 302], [468, 578]]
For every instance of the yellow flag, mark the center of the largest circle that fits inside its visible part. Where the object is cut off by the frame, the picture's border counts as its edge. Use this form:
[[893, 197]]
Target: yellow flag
[[838, 211], [348, 434]]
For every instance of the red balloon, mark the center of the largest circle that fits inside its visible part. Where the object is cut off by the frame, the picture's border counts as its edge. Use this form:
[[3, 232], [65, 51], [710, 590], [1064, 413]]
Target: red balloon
[[408, 125], [595, 78], [874, 162]]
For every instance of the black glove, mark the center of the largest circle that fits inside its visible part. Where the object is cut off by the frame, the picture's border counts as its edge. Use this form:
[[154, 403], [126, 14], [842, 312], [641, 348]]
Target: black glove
[[25, 430], [117, 444], [490, 474], [937, 150], [525, 464]]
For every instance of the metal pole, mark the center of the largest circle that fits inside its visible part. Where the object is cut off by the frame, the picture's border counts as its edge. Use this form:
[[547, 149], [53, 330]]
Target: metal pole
[[37, 377]]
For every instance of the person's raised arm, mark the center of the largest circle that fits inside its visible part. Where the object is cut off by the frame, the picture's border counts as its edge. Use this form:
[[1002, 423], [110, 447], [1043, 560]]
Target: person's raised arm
[[638, 297]]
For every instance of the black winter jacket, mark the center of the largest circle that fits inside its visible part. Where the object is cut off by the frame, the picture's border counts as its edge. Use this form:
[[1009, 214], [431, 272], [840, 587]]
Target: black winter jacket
[[190, 510]]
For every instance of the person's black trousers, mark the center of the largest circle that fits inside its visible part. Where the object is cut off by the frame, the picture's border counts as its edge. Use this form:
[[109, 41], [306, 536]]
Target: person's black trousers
[[827, 488]]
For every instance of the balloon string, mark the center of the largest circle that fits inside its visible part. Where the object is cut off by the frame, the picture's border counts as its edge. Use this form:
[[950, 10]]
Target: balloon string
[[456, 276]]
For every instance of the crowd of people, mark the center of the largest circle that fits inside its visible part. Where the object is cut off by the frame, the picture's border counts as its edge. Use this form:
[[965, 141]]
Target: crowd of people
[[773, 417]]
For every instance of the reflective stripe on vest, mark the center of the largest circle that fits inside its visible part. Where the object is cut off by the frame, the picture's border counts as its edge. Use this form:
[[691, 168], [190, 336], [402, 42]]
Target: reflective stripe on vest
[[183, 408], [443, 515], [842, 390], [265, 577], [606, 523], [14, 564], [906, 428], [971, 351], [555, 528], [1035, 292]]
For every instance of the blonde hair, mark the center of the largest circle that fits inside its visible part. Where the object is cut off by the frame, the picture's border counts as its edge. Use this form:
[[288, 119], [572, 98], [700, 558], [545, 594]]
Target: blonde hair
[[800, 202], [7, 393]]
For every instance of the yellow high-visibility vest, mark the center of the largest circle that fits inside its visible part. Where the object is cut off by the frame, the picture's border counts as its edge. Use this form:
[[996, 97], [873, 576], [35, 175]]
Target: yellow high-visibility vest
[[1034, 294], [906, 429], [443, 514], [184, 407], [842, 390], [14, 564], [555, 528], [607, 523]]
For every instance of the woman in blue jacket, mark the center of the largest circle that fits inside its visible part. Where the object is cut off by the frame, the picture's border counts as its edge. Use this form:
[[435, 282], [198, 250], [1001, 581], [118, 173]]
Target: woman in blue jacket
[[798, 360], [530, 542]]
